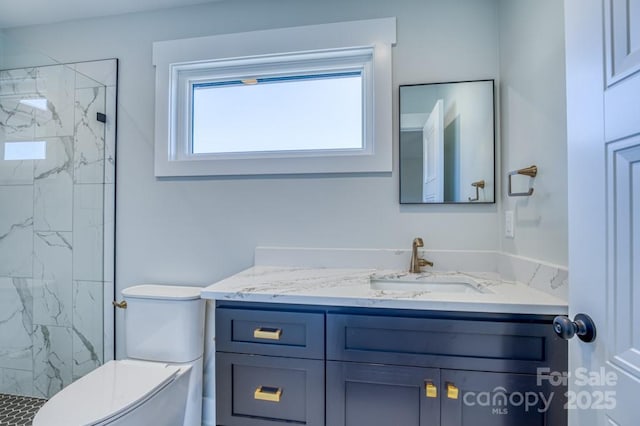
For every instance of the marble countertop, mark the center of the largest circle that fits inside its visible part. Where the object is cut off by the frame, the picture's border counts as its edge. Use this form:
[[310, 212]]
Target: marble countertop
[[351, 287]]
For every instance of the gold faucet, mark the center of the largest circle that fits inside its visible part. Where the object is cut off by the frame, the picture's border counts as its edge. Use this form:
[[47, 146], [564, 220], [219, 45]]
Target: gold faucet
[[416, 262]]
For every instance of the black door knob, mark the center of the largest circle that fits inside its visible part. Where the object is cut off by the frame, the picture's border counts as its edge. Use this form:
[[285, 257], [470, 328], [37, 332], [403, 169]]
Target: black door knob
[[582, 326]]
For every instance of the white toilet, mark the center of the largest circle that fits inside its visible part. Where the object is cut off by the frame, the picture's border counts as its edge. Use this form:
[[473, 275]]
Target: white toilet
[[160, 383]]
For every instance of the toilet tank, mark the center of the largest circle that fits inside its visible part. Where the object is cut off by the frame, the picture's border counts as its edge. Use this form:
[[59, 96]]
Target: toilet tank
[[164, 323]]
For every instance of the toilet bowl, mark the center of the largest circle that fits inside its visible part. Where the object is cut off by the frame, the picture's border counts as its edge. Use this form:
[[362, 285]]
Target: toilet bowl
[[159, 384]]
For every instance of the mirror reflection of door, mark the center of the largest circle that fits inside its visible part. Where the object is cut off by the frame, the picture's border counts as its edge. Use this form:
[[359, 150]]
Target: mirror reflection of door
[[453, 191], [433, 151], [447, 142]]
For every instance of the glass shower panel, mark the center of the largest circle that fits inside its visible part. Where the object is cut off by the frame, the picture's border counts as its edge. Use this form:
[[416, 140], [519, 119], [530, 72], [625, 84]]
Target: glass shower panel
[[52, 228]]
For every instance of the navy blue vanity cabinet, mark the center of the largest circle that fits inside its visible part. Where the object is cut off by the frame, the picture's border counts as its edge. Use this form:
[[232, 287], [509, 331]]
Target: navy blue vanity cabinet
[[269, 367], [385, 367]]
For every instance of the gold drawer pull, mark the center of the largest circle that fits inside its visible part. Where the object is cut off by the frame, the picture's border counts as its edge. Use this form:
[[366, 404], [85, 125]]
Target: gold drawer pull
[[267, 333], [268, 393], [431, 390], [452, 391]]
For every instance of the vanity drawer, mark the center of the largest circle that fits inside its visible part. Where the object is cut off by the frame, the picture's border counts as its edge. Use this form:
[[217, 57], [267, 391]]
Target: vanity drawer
[[496, 345], [278, 333], [260, 390]]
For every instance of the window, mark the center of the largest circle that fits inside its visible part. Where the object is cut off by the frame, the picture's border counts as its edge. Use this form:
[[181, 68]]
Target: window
[[25, 150], [275, 114], [323, 106], [282, 106]]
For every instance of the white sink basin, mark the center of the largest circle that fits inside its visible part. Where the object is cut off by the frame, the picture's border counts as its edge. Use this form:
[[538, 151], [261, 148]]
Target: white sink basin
[[428, 284]]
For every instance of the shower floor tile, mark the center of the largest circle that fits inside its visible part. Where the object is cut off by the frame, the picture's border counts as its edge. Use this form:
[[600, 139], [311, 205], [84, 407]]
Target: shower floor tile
[[18, 410]]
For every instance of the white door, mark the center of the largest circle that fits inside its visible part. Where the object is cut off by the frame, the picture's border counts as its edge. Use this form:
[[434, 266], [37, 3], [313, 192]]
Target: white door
[[433, 155], [603, 130]]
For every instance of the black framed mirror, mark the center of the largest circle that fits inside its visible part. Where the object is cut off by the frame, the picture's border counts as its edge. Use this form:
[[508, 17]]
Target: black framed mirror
[[447, 143]]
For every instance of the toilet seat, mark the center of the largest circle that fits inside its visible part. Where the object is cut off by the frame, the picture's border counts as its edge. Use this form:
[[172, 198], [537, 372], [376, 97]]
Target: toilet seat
[[106, 393]]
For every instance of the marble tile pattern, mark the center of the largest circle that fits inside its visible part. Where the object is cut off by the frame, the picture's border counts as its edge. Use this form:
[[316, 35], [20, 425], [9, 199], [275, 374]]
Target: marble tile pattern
[[52, 225], [89, 148], [87, 348], [52, 359], [52, 269], [352, 287], [53, 186], [16, 325], [17, 120], [16, 230], [551, 279], [88, 224]]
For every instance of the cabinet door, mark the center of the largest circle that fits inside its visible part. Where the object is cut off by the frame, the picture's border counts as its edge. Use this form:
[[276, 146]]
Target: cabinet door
[[473, 398], [381, 395]]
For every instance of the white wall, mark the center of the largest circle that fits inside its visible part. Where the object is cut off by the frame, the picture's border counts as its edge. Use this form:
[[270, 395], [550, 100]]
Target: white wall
[[533, 126], [197, 231]]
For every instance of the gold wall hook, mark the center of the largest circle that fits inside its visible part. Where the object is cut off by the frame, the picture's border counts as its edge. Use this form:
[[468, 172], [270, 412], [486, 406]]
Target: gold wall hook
[[477, 185], [531, 171]]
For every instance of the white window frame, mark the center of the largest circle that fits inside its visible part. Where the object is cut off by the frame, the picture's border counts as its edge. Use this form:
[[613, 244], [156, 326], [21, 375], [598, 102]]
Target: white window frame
[[358, 45], [185, 76]]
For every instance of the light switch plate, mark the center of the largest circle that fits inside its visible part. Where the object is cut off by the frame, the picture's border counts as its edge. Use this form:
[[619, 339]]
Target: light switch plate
[[509, 230]]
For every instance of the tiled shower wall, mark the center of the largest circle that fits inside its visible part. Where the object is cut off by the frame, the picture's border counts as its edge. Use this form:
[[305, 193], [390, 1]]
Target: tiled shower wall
[[56, 227]]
